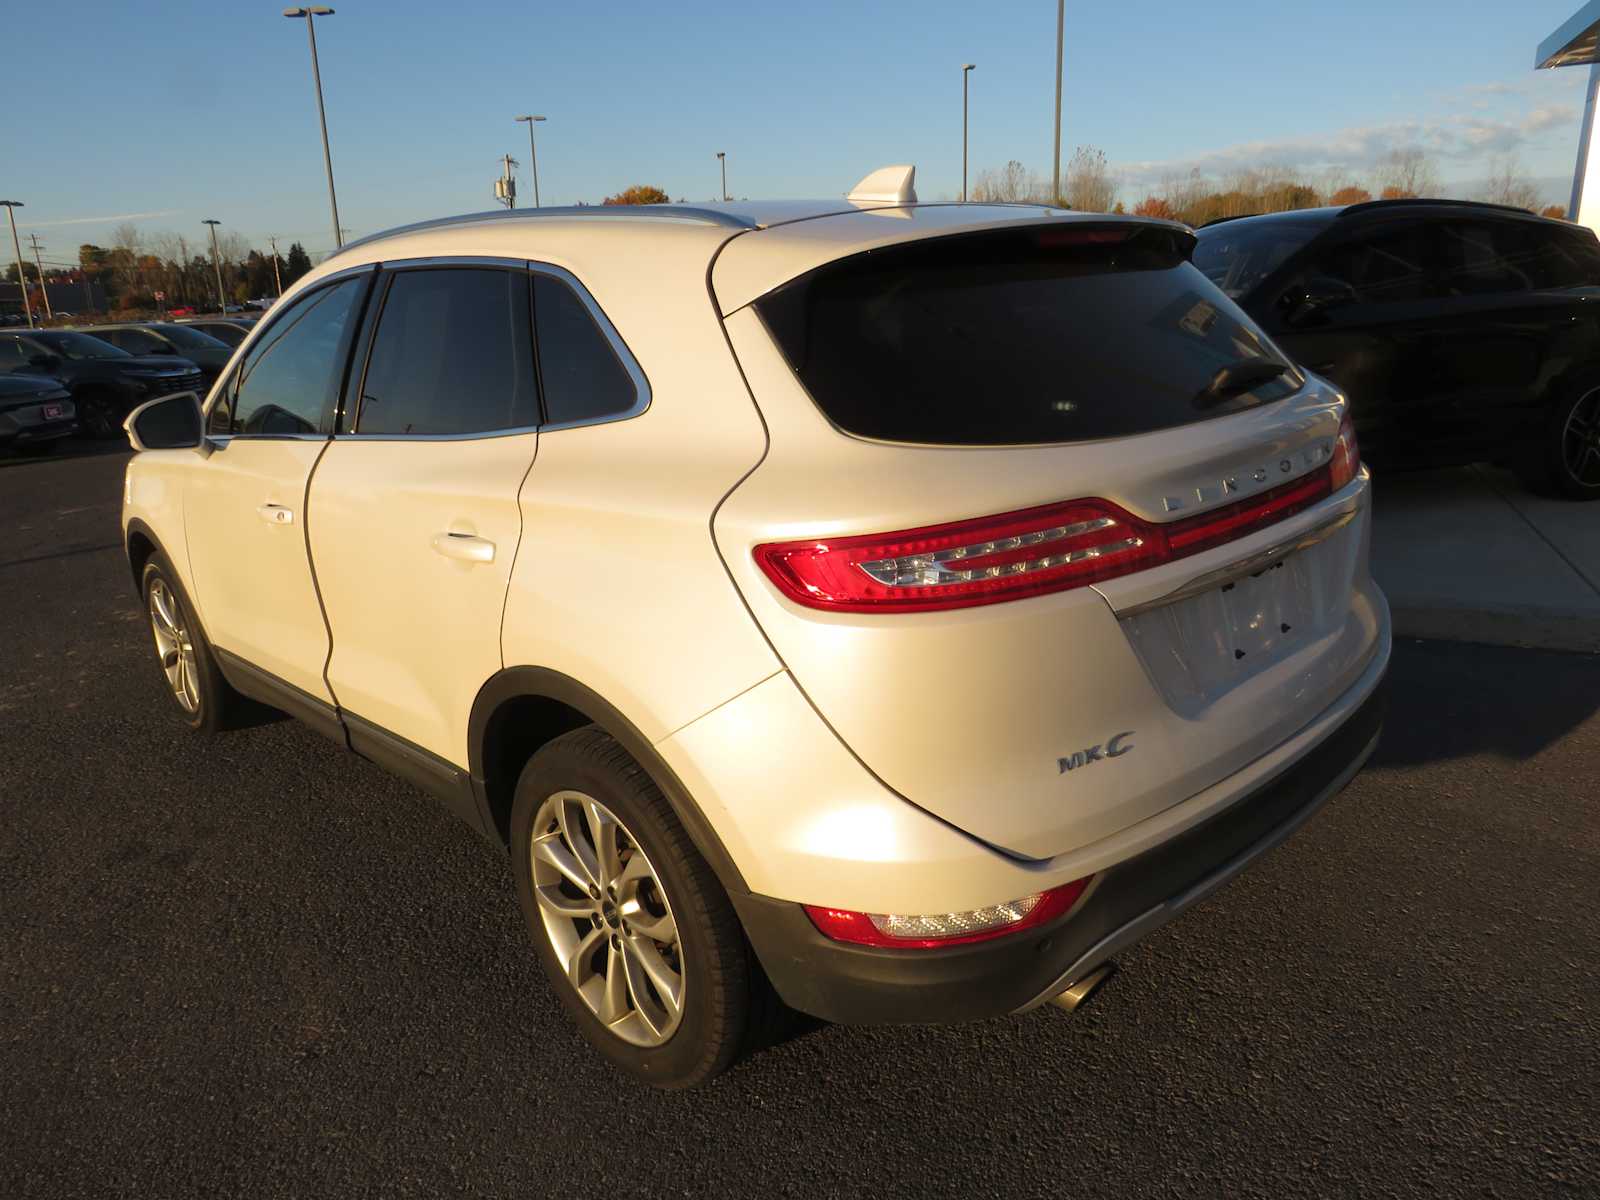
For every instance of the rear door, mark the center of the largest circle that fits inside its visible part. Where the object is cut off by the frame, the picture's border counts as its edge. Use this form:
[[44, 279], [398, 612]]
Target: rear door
[[414, 518]]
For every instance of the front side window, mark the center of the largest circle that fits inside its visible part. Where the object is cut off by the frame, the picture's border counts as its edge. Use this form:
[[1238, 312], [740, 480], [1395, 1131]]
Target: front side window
[[135, 341], [78, 346], [287, 383], [583, 378], [452, 355], [185, 338]]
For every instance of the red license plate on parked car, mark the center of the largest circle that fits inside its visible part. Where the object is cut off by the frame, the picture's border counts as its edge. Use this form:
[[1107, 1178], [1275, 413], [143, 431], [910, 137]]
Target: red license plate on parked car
[[52, 412]]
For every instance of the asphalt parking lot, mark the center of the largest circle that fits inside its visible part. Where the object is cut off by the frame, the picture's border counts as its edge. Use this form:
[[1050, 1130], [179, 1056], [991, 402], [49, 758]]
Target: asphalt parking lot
[[261, 966]]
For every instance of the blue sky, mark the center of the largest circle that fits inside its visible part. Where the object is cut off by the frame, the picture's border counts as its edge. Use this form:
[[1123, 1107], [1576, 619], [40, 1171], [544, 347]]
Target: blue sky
[[177, 111]]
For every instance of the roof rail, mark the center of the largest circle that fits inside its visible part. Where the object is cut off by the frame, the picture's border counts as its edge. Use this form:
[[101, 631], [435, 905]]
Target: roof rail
[[1425, 202], [1235, 217], [655, 212]]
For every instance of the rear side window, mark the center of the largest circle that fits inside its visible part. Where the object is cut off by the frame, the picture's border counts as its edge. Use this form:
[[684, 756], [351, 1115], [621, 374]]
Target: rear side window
[[583, 378], [1049, 334], [1392, 264], [453, 354], [135, 341], [1481, 257], [286, 383]]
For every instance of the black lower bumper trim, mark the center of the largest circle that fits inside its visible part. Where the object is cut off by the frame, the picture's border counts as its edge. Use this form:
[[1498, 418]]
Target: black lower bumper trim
[[871, 986]]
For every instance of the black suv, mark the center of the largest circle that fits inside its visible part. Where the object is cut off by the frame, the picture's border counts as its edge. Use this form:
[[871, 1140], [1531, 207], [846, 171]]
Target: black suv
[[1462, 332], [169, 338], [106, 383]]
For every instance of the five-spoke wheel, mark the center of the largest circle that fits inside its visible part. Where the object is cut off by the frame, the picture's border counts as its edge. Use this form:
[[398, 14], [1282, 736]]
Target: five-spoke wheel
[[174, 646]]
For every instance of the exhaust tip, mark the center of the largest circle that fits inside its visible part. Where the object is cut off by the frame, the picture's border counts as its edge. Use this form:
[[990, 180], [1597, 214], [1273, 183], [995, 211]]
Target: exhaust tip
[[1079, 994]]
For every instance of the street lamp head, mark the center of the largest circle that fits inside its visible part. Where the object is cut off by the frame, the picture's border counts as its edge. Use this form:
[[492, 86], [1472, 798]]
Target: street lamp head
[[312, 10], [969, 66], [209, 221], [722, 154], [530, 117], [12, 204]]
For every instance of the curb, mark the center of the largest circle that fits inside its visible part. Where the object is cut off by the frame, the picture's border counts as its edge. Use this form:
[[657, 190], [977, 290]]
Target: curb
[[1538, 629]]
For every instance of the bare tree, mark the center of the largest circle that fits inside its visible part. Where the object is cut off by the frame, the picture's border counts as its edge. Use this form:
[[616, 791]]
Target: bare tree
[[1088, 185], [1010, 183], [1405, 174], [1508, 185]]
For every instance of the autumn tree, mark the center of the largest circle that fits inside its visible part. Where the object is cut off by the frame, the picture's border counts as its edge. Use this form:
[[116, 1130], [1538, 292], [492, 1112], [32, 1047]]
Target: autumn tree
[[1008, 184], [1350, 194], [639, 193], [1155, 206], [1558, 211], [1407, 174], [1088, 186]]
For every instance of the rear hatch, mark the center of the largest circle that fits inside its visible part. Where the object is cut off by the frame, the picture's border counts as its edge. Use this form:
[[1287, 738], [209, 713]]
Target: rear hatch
[[1047, 530]]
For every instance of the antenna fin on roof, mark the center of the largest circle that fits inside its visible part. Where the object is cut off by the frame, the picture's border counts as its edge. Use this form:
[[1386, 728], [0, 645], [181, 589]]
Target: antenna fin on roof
[[887, 185]]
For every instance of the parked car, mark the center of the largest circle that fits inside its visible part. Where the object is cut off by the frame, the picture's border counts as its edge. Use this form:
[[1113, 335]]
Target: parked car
[[106, 383], [900, 616], [171, 339], [230, 331], [35, 412], [1460, 331]]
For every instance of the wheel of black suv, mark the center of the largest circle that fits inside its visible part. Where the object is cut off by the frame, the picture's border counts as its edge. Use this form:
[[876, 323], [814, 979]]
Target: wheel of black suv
[[189, 668], [634, 931], [1567, 464], [97, 414]]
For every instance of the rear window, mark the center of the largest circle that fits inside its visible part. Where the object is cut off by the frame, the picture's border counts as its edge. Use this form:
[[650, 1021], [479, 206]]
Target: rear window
[[1018, 337], [1237, 255]]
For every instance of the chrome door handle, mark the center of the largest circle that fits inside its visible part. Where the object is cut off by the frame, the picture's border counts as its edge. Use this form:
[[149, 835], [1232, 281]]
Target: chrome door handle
[[276, 514], [464, 546]]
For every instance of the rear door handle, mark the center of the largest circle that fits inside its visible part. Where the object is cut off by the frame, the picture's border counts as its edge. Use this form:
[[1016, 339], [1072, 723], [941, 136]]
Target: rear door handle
[[276, 514], [464, 546]]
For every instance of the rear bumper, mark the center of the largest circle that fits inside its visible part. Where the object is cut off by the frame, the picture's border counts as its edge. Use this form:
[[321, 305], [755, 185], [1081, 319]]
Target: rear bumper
[[865, 985]]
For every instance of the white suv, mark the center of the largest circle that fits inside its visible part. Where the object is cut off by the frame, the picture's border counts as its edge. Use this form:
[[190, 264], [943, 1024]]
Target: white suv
[[891, 609]]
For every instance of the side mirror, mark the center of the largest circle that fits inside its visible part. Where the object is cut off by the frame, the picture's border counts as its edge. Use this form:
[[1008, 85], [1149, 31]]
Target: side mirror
[[1315, 296], [166, 423]]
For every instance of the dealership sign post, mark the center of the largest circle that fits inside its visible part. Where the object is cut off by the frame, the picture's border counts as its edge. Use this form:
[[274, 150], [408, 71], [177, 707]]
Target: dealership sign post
[[1577, 44]]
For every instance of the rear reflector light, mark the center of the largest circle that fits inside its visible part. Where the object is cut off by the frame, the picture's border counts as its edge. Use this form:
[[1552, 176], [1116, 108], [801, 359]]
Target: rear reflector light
[[931, 930], [987, 560], [1346, 462]]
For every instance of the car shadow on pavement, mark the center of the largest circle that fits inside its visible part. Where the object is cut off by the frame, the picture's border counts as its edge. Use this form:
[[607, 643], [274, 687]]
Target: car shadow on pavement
[[1513, 703]]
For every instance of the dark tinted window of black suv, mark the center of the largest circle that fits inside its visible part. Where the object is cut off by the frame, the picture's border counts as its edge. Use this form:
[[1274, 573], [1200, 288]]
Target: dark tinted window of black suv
[[453, 355], [1391, 263], [1046, 334], [1490, 256]]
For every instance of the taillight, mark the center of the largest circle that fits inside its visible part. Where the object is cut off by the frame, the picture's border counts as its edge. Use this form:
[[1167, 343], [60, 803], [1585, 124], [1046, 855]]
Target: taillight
[[1346, 463], [930, 931], [987, 560]]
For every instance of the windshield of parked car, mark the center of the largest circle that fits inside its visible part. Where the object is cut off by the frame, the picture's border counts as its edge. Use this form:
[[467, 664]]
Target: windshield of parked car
[[191, 339], [1237, 255], [77, 346], [1058, 333]]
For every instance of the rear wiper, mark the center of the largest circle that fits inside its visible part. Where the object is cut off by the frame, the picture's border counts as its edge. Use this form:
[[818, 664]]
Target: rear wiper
[[1239, 377]]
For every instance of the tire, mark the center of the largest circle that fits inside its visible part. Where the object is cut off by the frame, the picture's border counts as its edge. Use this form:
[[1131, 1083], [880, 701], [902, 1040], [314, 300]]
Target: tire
[[97, 414], [1566, 463], [199, 693], [584, 786]]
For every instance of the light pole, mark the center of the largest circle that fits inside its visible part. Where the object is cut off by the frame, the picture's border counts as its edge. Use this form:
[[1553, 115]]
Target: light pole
[[966, 68], [722, 160], [277, 279], [1055, 174], [310, 14], [216, 263], [533, 155], [44, 288], [11, 207]]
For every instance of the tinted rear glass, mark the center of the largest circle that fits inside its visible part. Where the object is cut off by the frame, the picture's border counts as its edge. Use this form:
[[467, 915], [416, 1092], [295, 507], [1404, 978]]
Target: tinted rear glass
[[1016, 337], [1237, 255]]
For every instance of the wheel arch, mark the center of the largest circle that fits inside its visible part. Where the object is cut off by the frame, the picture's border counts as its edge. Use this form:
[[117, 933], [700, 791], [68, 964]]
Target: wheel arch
[[521, 709], [141, 544]]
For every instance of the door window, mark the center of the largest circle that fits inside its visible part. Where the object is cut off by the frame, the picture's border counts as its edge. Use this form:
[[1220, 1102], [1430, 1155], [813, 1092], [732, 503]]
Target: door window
[[135, 341], [452, 355], [1516, 256], [1387, 266], [583, 378], [287, 383]]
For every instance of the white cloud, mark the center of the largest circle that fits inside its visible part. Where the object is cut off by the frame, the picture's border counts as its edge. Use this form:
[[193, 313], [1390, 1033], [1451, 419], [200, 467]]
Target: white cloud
[[134, 216]]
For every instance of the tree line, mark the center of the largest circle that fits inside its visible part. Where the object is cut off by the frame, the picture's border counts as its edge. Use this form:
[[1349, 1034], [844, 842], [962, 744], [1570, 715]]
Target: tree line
[[136, 266], [1088, 184]]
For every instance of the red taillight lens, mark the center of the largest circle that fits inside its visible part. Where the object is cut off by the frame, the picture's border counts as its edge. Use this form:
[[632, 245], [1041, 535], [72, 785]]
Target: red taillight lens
[[990, 559], [930, 931], [1346, 463]]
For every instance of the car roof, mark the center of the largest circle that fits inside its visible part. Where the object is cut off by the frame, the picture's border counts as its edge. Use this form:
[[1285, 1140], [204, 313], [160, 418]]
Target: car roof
[[1384, 208]]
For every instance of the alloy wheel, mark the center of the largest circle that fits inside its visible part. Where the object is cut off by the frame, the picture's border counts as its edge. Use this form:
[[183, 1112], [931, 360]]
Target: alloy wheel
[[174, 646], [1580, 440], [95, 414], [608, 918]]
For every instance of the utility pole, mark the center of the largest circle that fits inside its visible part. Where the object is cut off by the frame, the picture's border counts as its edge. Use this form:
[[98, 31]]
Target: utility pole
[[44, 288], [505, 188], [722, 157], [277, 279], [966, 69], [311, 13], [1061, 21], [533, 154], [11, 207], [216, 262]]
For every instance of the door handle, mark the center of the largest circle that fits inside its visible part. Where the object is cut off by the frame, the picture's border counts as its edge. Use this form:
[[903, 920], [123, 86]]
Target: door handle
[[276, 514], [464, 546]]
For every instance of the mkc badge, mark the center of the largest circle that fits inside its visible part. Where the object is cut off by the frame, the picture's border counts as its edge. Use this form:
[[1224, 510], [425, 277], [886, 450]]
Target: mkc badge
[[1115, 748]]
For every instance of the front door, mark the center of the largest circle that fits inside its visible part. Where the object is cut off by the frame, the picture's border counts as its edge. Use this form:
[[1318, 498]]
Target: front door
[[244, 510], [414, 517]]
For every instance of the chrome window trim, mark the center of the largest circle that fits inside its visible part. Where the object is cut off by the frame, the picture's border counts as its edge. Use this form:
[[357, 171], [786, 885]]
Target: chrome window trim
[[225, 378], [641, 383]]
